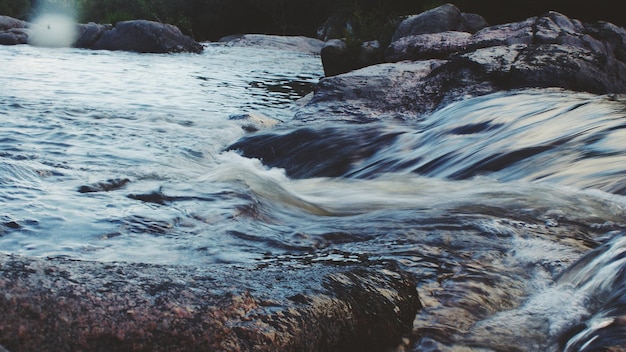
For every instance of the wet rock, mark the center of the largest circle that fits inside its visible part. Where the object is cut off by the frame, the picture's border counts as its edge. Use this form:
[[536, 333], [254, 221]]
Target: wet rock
[[13, 31], [14, 36], [540, 52], [380, 92], [146, 37], [427, 46], [288, 43], [252, 122], [60, 304], [444, 18], [7, 23], [106, 186], [90, 33], [137, 35]]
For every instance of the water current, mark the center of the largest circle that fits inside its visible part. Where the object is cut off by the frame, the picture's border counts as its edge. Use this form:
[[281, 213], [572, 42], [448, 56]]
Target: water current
[[507, 208]]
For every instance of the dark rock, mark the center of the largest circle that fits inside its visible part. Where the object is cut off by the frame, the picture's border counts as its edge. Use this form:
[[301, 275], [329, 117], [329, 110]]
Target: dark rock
[[90, 33], [427, 46], [13, 31], [14, 36], [444, 18], [385, 91], [540, 52], [290, 43], [146, 37], [7, 23], [106, 186], [472, 22], [66, 305], [370, 53], [336, 58]]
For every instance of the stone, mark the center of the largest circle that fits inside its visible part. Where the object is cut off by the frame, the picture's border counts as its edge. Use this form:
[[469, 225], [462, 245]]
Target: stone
[[275, 42], [287, 305], [90, 33], [427, 46], [14, 36], [146, 37], [472, 22], [7, 23], [444, 18], [13, 31], [336, 58], [550, 51]]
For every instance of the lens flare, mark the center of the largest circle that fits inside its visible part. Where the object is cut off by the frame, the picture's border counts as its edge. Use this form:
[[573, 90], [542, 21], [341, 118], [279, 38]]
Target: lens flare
[[53, 30]]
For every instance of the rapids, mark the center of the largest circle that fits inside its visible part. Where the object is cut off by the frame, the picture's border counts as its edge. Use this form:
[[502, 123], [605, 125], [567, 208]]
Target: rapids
[[508, 209]]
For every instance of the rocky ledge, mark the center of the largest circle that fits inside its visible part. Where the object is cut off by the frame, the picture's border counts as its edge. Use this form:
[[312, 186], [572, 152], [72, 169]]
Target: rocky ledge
[[279, 305], [434, 60], [138, 35]]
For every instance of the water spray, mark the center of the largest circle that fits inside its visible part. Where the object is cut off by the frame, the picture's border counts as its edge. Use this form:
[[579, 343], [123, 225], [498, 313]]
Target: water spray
[[53, 27]]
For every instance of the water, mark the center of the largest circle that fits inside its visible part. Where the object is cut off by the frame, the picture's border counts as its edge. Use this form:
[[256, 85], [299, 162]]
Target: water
[[508, 209]]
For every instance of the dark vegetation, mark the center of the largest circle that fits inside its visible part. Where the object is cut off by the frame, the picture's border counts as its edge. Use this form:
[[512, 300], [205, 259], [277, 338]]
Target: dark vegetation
[[369, 19]]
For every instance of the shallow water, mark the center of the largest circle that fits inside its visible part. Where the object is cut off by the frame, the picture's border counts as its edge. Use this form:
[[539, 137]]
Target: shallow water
[[490, 202]]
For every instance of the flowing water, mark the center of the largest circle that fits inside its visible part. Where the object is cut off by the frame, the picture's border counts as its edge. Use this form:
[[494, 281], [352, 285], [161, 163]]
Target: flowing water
[[508, 209]]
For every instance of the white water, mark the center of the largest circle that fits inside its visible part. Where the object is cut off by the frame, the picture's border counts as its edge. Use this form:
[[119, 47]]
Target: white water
[[492, 247]]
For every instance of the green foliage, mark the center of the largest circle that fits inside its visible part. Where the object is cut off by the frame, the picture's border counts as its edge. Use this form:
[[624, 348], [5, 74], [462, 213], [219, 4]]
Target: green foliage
[[15, 8]]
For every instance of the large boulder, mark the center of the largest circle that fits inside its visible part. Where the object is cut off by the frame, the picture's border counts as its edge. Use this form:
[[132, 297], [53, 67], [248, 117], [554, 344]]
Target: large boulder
[[90, 33], [444, 18], [437, 68], [443, 28], [285, 305], [146, 37], [13, 31], [137, 35]]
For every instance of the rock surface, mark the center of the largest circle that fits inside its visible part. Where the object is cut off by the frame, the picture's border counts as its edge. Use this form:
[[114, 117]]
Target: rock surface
[[434, 69], [137, 35], [442, 29], [12, 31], [65, 305], [146, 37], [288, 43]]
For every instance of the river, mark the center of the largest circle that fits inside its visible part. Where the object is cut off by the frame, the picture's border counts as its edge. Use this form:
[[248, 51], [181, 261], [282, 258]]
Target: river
[[508, 209]]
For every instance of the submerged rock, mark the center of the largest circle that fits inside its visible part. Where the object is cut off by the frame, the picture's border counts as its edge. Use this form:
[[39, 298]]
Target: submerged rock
[[60, 304]]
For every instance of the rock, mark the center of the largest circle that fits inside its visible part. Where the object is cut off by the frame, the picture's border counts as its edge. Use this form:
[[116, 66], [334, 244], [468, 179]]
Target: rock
[[7, 23], [442, 28], [472, 22], [338, 57], [385, 91], [146, 37], [13, 31], [370, 53], [14, 36], [427, 46], [275, 42], [539, 52], [61, 304], [444, 18], [90, 33], [138, 35], [252, 122]]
